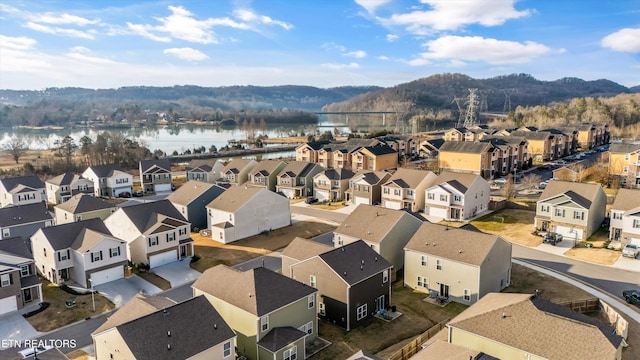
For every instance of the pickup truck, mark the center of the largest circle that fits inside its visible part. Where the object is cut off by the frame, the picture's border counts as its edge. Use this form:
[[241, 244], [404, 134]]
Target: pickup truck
[[632, 296], [630, 251]]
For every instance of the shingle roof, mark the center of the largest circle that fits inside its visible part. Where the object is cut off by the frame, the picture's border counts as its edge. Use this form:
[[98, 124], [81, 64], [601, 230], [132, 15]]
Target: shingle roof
[[436, 143], [583, 194], [146, 215], [337, 174], [28, 181], [64, 179], [371, 223], [65, 235], [380, 149], [203, 164], [140, 305], [410, 178], [465, 147], [539, 327], [236, 165], [626, 199], [371, 177], [15, 246], [266, 167], [258, 291], [234, 197], [469, 247], [301, 249], [81, 203], [623, 148], [363, 355], [176, 332], [297, 168], [192, 189], [103, 171], [280, 337], [23, 214], [464, 179], [146, 165], [355, 262]]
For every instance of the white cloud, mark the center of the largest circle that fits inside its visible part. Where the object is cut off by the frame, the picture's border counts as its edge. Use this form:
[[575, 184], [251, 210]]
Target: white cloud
[[187, 53], [89, 59], [371, 5], [251, 17], [625, 40], [453, 15], [141, 30], [333, 46], [476, 48], [358, 54], [89, 34], [382, 57], [80, 49], [18, 43], [335, 66], [182, 25], [392, 37], [57, 19]]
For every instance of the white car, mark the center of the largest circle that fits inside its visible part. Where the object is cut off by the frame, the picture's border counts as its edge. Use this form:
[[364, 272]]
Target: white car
[[630, 251], [28, 352], [500, 181]]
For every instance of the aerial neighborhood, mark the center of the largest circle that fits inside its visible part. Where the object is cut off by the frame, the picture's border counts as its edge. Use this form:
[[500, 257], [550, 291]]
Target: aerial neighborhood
[[417, 232]]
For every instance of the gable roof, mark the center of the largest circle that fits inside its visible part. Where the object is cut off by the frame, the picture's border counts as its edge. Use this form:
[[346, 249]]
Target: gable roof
[[236, 165], [463, 180], [626, 199], [140, 305], [538, 326], [81, 203], [337, 174], [65, 179], [279, 337], [203, 164], [371, 223], [355, 262], [76, 235], [104, 171], [471, 147], [258, 291], [435, 143], [533, 135], [15, 246], [297, 169], [235, 197], [465, 246], [23, 214], [370, 177], [176, 332], [266, 167], [581, 193], [301, 249], [623, 148], [409, 178], [147, 215], [26, 181], [191, 190], [159, 164], [380, 149]]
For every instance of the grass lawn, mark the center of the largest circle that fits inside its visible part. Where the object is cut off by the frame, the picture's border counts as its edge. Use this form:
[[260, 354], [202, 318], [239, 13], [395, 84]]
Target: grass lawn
[[57, 314], [335, 205], [213, 253]]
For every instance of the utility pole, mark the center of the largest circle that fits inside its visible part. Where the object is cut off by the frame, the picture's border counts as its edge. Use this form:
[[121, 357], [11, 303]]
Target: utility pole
[[507, 100], [471, 117]]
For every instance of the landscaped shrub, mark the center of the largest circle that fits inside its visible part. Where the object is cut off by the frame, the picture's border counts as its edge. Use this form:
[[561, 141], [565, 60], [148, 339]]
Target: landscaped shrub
[[194, 258], [72, 291], [43, 307]]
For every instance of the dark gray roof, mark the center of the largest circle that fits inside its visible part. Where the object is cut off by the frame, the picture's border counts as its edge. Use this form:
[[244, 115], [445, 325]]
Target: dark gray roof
[[280, 337], [23, 214], [64, 235], [624, 148], [338, 174], [103, 171], [436, 143], [355, 262], [464, 147], [82, 203], [456, 185], [202, 164], [160, 163], [15, 246], [143, 215], [64, 179], [533, 135], [176, 332], [380, 149], [317, 145], [29, 181], [577, 198]]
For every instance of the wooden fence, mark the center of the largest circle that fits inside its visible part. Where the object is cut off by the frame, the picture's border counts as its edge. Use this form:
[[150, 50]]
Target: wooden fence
[[416, 344], [596, 305], [583, 306]]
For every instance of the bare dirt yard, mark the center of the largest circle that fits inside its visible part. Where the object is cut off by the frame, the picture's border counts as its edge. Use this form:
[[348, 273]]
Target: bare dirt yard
[[515, 226]]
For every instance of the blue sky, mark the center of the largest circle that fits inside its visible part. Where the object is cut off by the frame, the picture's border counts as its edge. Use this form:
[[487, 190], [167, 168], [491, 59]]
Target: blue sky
[[323, 43]]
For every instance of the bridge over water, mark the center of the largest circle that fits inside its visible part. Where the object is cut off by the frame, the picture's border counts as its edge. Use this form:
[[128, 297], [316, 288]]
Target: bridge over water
[[345, 114]]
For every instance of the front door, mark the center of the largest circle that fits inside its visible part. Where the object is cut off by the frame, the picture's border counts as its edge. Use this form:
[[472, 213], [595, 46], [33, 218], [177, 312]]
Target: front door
[[26, 295], [545, 226], [64, 274], [444, 290], [183, 251], [379, 303]]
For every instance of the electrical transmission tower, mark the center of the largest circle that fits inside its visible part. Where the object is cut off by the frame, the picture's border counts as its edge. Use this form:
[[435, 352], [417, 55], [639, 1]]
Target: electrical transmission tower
[[507, 100], [414, 126], [471, 117], [459, 102], [484, 107]]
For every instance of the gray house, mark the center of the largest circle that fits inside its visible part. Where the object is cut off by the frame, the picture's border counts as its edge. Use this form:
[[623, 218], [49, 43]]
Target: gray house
[[23, 220], [265, 174], [296, 179], [191, 200], [155, 175], [207, 170], [19, 283]]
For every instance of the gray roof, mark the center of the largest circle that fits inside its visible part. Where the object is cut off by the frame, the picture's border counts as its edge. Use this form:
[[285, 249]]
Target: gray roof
[[280, 337], [15, 246], [355, 262], [301, 249], [65, 235], [626, 199], [140, 305], [266, 167], [193, 189], [298, 168], [463, 180], [380, 149], [410, 178], [64, 179], [258, 291], [28, 181], [146, 165], [373, 223], [176, 332], [371, 177], [23, 214], [145, 215], [581, 193], [533, 135], [337, 174], [465, 147], [82, 203], [104, 171], [624, 148], [202, 164]]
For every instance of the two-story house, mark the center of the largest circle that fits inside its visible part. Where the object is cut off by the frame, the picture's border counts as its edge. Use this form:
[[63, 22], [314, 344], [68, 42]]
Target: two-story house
[[430, 148], [385, 230], [109, 180], [513, 152], [464, 156], [19, 283], [338, 155], [236, 172], [60, 188], [624, 164], [265, 174], [574, 210], [85, 252], [353, 281], [309, 151], [191, 200], [24, 220], [457, 264], [405, 189], [241, 212], [205, 170], [21, 190], [296, 179], [156, 233], [192, 329], [155, 176], [365, 187], [456, 197], [543, 145], [82, 207], [404, 145], [374, 158], [625, 218], [273, 316], [330, 184]]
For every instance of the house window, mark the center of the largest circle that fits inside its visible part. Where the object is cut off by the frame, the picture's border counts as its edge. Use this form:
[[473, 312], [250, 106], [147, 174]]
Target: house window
[[636, 223], [617, 216], [321, 309], [361, 312], [443, 197], [423, 260], [409, 192], [356, 187], [626, 157], [456, 198], [182, 231], [113, 252], [430, 196], [396, 192], [290, 354], [171, 236], [264, 323], [422, 282], [44, 250], [625, 169], [96, 256], [307, 328], [6, 232], [226, 349], [438, 264], [385, 276], [467, 295], [153, 241], [63, 255], [544, 208], [365, 188], [312, 281], [25, 270], [230, 217], [579, 215], [5, 280], [311, 299], [560, 212], [386, 191]]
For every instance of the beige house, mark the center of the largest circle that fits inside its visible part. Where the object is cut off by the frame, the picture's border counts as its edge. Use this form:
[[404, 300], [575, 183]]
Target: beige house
[[273, 316], [386, 231], [82, 207], [155, 176], [151, 327], [574, 210], [465, 156], [378, 157], [331, 184], [265, 174], [624, 164], [458, 264], [625, 218], [523, 326], [60, 188], [296, 179], [405, 189], [338, 155], [309, 151], [236, 172], [205, 170], [456, 197], [365, 187]]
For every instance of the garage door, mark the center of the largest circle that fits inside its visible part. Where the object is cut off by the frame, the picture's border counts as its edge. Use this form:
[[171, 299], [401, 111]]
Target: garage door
[[164, 258], [437, 212], [119, 191], [633, 241], [361, 200], [162, 188], [8, 305], [392, 205], [568, 232], [104, 276], [322, 195]]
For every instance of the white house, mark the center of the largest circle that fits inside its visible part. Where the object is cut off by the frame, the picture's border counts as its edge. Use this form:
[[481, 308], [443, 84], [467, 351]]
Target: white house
[[241, 212], [625, 218], [84, 252], [60, 188], [109, 180], [21, 190], [456, 197]]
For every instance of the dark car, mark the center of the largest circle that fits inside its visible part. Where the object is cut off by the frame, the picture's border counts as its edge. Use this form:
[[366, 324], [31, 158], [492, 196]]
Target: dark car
[[311, 200], [552, 238], [632, 296], [138, 194], [125, 194]]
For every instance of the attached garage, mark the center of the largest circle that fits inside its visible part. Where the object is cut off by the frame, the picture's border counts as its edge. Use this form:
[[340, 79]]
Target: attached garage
[[436, 212], [105, 276], [322, 195], [118, 191], [633, 241], [8, 305], [568, 232], [361, 200], [163, 258], [162, 188], [392, 205]]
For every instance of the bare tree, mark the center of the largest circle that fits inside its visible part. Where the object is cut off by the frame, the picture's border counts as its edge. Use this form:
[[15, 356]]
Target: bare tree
[[16, 147], [530, 181], [508, 189]]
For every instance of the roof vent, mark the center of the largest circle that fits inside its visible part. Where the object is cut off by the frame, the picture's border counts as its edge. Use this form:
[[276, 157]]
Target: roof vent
[[344, 273], [342, 248], [362, 262], [460, 251], [504, 315], [434, 244], [169, 333], [375, 258], [168, 346], [361, 267], [215, 326]]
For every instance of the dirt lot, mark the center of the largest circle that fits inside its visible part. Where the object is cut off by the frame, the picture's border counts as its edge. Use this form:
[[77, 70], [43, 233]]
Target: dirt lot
[[213, 253], [515, 226]]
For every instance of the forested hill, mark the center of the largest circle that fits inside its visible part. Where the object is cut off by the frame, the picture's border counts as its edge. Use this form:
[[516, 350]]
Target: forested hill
[[438, 91]]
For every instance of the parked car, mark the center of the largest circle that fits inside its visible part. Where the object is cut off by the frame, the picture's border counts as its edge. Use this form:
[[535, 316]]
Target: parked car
[[311, 200], [630, 250], [500, 181], [552, 238], [632, 296], [30, 351], [542, 185], [138, 194], [125, 194]]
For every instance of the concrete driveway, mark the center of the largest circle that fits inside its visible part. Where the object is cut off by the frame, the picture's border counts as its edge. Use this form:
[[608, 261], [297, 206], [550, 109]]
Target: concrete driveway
[[177, 272], [271, 261], [14, 327], [121, 291]]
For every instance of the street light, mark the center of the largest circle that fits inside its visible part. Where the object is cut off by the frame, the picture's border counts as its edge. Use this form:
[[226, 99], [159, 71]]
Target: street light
[[93, 300]]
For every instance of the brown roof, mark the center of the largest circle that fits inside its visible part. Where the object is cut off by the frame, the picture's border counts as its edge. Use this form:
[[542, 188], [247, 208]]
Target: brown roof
[[190, 191], [556, 187], [537, 326], [238, 164], [371, 223], [442, 350], [465, 246], [87, 238], [234, 197], [466, 147], [266, 165], [140, 305], [626, 199], [301, 249], [410, 177]]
